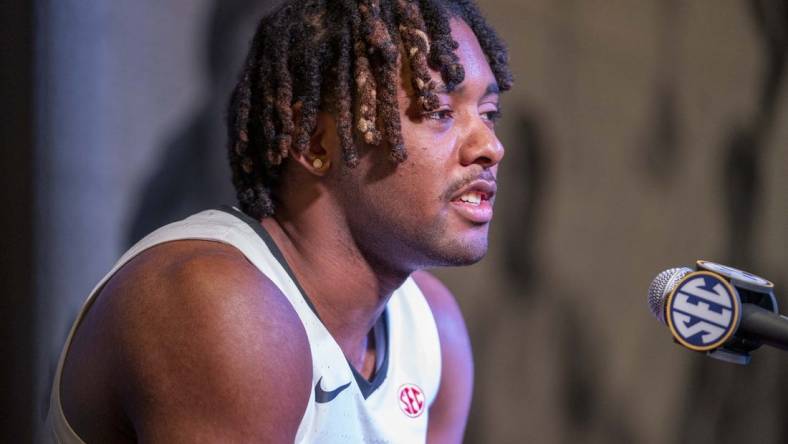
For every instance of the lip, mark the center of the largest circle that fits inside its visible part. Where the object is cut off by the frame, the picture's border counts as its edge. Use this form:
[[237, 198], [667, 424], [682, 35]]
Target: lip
[[486, 187], [478, 214], [481, 213]]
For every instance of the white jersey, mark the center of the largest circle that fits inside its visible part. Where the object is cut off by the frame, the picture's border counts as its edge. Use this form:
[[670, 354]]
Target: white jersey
[[343, 406]]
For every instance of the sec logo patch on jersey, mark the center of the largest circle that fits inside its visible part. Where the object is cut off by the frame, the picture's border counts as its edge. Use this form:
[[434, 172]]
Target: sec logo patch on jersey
[[703, 311], [411, 400]]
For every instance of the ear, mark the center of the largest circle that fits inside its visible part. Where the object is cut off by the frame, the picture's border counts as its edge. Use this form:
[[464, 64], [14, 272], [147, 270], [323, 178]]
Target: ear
[[324, 149]]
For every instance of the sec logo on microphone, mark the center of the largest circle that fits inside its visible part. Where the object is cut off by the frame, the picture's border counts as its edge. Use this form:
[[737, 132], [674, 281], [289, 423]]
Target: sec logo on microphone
[[703, 311]]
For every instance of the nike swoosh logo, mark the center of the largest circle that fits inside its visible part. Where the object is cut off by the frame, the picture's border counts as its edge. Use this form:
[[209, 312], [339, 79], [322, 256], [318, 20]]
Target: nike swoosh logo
[[323, 396]]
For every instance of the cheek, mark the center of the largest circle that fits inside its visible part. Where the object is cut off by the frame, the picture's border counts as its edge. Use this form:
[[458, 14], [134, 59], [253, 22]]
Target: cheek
[[414, 188], [411, 191], [422, 180]]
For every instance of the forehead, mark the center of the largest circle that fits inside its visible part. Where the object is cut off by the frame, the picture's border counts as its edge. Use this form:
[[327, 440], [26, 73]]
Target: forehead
[[471, 56]]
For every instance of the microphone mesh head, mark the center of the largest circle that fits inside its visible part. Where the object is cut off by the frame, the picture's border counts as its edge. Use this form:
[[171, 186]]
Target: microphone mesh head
[[660, 287]]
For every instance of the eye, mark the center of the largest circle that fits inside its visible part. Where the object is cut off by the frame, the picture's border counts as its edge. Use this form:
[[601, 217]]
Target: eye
[[492, 116], [439, 115]]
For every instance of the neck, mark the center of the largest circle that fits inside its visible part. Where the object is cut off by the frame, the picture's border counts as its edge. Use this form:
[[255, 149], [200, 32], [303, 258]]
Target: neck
[[349, 291]]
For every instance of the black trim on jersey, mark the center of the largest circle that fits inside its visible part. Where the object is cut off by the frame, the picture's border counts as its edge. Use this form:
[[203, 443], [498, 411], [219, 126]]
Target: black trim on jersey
[[367, 387], [269, 241]]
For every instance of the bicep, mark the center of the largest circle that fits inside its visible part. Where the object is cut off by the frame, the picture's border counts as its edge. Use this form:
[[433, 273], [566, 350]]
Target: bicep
[[224, 390], [449, 411], [213, 359]]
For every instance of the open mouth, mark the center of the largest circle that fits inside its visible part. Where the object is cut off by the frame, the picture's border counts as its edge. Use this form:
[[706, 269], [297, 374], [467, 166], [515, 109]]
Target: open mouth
[[473, 197], [474, 202]]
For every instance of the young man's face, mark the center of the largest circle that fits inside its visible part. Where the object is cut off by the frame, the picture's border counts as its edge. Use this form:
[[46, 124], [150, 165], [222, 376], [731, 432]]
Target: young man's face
[[434, 208]]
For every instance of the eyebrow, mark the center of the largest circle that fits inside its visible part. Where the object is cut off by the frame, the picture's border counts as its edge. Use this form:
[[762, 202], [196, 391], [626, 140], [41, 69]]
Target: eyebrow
[[492, 88]]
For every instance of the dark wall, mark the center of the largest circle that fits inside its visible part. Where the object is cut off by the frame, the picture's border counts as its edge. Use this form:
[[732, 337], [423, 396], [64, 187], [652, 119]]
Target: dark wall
[[16, 303]]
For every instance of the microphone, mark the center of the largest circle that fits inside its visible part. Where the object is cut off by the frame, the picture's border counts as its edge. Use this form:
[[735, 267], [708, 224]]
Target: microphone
[[717, 309]]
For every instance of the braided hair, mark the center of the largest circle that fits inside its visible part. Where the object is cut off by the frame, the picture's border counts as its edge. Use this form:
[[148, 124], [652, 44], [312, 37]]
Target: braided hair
[[341, 56]]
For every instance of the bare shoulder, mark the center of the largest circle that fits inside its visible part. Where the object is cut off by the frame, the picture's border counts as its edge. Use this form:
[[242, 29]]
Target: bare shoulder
[[449, 411], [200, 337]]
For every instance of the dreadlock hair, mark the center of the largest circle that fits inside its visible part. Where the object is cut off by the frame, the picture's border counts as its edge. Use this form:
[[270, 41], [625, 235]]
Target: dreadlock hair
[[341, 56]]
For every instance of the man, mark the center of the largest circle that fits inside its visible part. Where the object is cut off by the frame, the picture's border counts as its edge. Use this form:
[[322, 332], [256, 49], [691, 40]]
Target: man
[[363, 149]]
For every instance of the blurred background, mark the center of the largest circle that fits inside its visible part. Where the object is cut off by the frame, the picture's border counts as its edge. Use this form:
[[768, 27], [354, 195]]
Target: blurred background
[[640, 136]]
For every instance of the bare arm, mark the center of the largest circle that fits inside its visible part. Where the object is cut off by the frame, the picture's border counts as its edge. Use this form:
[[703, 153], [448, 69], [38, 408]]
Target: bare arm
[[208, 351], [449, 412]]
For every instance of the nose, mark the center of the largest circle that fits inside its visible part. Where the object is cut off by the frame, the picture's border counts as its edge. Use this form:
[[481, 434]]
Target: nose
[[481, 146]]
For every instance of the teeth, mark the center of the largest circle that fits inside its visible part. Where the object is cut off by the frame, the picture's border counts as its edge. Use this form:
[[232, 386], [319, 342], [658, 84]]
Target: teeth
[[472, 197]]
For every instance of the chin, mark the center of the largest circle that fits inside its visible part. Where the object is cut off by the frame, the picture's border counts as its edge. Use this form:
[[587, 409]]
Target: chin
[[459, 253]]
